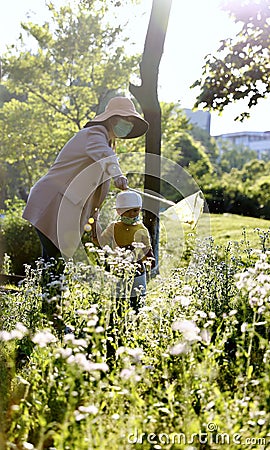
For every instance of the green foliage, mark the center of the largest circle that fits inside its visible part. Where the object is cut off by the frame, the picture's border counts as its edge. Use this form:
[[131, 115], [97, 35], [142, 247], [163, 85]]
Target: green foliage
[[209, 143], [78, 62], [242, 186], [179, 146], [30, 142], [18, 238], [240, 191], [245, 57], [234, 156], [177, 142], [48, 93]]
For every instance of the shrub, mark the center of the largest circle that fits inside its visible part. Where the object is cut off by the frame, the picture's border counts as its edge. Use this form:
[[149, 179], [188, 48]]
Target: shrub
[[18, 238]]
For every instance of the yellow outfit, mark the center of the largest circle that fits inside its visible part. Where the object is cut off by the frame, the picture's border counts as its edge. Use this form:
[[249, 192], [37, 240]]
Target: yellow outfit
[[134, 237], [118, 234]]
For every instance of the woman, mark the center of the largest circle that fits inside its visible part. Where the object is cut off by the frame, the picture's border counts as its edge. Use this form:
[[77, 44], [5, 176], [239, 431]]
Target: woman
[[62, 201]]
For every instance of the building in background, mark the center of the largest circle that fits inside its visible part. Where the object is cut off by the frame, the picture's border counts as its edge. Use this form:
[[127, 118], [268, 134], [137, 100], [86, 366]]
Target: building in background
[[259, 141], [200, 118]]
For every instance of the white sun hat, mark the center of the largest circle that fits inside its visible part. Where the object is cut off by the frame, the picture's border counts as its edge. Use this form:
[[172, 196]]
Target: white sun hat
[[128, 200]]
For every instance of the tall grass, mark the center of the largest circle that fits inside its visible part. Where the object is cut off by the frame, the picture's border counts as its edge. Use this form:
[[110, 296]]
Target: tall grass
[[190, 370]]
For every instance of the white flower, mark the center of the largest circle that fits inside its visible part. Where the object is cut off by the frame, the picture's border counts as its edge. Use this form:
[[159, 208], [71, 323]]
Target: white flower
[[92, 322], [255, 282], [15, 408], [108, 249], [55, 283], [20, 327], [201, 314], [261, 421], [79, 416], [82, 312], [187, 290], [259, 265], [183, 300], [99, 329], [18, 333], [188, 328], [212, 315], [76, 342], [90, 409], [120, 350], [136, 353], [22, 380], [81, 361], [80, 343], [64, 353], [5, 336], [101, 367], [42, 338], [254, 298], [206, 336], [127, 373], [179, 349], [28, 446]]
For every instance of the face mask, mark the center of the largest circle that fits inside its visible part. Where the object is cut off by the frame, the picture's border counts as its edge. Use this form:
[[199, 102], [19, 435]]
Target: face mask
[[130, 220], [122, 128]]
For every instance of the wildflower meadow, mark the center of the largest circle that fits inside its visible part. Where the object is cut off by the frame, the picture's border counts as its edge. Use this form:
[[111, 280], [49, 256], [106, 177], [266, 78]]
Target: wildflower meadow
[[189, 370]]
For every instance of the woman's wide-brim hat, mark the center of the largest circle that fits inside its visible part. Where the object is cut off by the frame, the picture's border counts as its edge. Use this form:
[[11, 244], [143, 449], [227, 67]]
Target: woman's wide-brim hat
[[123, 107]]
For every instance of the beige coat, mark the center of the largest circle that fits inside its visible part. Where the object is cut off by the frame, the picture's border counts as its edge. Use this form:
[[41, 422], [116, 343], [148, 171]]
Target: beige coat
[[62, 201]]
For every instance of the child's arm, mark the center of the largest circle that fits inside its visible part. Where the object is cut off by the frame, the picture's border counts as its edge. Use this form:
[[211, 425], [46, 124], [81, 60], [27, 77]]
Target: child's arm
[[106, 237], [99, 237]]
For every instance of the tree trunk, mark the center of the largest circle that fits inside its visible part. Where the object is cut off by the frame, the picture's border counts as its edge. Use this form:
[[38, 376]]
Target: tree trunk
[[147, 96]]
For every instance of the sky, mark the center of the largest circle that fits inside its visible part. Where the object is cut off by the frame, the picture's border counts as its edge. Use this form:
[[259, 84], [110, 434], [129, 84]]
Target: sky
[[195, 29]]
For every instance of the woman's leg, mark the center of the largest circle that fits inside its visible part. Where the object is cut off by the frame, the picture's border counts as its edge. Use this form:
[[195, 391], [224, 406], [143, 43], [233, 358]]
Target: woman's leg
[[49, 250], [52, 283]]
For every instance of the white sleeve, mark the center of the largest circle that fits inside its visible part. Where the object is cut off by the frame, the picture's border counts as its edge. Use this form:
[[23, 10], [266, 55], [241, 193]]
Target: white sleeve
[[106, 237]]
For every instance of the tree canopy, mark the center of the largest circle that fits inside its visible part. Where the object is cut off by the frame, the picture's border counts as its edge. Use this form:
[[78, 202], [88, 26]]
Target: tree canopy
[[79, 60], [50, 91], [240, 69]]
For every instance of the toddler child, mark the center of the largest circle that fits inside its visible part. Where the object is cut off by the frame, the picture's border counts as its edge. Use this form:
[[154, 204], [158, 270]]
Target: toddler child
[[129, 232]]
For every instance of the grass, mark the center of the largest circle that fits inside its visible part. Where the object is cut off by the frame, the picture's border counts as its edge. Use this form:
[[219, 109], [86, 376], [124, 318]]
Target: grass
[[178, 242], [229, 227]]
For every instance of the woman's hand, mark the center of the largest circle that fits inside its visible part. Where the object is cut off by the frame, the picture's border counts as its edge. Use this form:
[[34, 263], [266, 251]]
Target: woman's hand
[[121, 182]]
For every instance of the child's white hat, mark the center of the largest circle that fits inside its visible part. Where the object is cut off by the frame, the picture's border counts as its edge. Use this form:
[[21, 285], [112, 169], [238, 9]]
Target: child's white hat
[[128, 200]]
